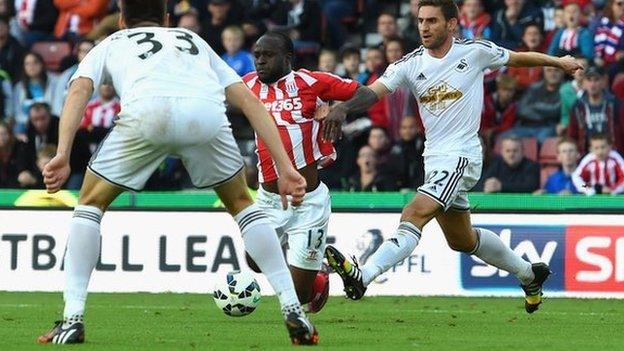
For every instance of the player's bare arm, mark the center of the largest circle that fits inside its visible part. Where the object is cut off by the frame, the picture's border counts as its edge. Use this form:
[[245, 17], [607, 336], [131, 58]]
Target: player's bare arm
[[57, 171], [533, 59], [364, 98], [290, 181]]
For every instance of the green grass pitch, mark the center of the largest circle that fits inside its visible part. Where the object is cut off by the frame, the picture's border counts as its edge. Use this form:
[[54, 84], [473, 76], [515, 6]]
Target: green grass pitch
[[192, 322]]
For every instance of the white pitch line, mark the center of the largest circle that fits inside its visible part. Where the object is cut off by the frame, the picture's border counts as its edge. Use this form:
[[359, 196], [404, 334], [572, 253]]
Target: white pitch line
[[424, 311]]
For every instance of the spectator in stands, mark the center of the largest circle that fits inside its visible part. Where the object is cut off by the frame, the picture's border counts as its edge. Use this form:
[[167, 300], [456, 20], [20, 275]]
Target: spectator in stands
[[573, 39], [36, 20], [609, 35], [375, 63], [44, 156], [77, 18], [499, 110], [540, 108], [12, 158], [380, 142], [335, 11], [401, 102], [11, 52], [35, 85], [6, 98], [327, 61], [601, 171], [408, 151], [532, 40], [99, 116], [596, 112], [368, 177], [302, 20], [388, 29], [508, 24], [560, 182], [570, 92], [511, 172], [220, 15], [351, 62], [475, 22], [411, 30], [190, 21], [235, 56], [81, 50]]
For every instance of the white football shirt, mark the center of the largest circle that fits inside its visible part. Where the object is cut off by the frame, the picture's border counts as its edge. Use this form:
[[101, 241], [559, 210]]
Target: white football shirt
[[157, 61], [449, 91]]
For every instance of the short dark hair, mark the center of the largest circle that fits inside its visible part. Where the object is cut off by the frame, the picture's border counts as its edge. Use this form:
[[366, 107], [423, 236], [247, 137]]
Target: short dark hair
[[449, 8], [40, 106], [349, 50], [533, 24], [600, 136], [287, 43], [137, 11]]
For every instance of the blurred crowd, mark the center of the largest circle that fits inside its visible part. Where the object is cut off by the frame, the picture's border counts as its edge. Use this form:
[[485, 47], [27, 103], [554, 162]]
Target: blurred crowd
[[541, 131]]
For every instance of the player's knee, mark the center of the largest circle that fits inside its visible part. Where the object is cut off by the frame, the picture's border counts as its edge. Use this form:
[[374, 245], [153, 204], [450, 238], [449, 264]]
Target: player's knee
[[465, 246], [417, 214], [252, 264]]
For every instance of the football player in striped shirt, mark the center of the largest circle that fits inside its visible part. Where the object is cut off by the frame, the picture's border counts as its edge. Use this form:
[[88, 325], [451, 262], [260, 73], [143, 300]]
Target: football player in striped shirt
[[293, 98]]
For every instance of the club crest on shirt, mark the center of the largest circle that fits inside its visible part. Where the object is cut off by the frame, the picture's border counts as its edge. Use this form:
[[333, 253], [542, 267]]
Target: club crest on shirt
[[291, 89], [440, 97], [462, 66]]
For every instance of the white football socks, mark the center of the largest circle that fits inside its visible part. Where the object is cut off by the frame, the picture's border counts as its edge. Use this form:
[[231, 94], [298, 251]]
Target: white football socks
[[262, 245], [491, 250], [391, 252], [82, 251]]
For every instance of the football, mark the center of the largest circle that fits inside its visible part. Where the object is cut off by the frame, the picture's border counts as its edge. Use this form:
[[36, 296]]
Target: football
[[238, 294]]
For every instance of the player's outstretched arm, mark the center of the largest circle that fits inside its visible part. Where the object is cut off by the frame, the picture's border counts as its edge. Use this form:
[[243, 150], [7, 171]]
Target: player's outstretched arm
[[290, 182], [364, 98], [533, 59], [56, 172]]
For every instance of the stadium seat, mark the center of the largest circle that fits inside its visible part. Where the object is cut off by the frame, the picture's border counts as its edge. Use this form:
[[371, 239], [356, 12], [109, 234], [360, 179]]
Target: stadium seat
[[53, 52], [545, 173], [548, 152], [529, 145]]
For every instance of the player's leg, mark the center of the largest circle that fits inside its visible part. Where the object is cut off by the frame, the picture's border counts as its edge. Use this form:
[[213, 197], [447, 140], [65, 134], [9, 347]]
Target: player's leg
[[81, 255], [113, 168], [218, 164], [393, 250], [463, 237]]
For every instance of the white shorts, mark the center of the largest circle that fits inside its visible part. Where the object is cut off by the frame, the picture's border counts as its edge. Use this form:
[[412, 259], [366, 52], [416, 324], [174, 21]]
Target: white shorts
[[449, 178], [150, 129], [303, 228]]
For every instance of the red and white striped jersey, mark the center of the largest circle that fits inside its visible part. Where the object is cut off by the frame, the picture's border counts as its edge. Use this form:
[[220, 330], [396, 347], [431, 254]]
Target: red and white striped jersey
[[100, 114], [591, 171], [292, 101]]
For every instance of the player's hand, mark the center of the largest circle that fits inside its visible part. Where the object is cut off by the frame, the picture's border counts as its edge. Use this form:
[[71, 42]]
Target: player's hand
[[332, 124], [56, 172], [570, 65], [290, 182], [321, 112]]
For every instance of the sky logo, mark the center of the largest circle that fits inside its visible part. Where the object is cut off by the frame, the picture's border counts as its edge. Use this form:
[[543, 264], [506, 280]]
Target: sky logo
[[533, 243]]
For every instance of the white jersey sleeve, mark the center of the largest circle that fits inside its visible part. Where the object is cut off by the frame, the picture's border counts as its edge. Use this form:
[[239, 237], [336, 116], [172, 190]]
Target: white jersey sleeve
[[394, 76], [491, 55], [226, 75], [93, 66]]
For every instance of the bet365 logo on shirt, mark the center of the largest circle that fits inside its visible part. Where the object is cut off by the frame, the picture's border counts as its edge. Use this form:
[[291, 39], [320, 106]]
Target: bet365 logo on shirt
[[284, 105]]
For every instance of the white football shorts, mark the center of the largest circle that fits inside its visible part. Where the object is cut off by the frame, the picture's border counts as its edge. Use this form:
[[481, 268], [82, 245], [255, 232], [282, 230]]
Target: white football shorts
[[303, 228], [449, 178], [150, 129]]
